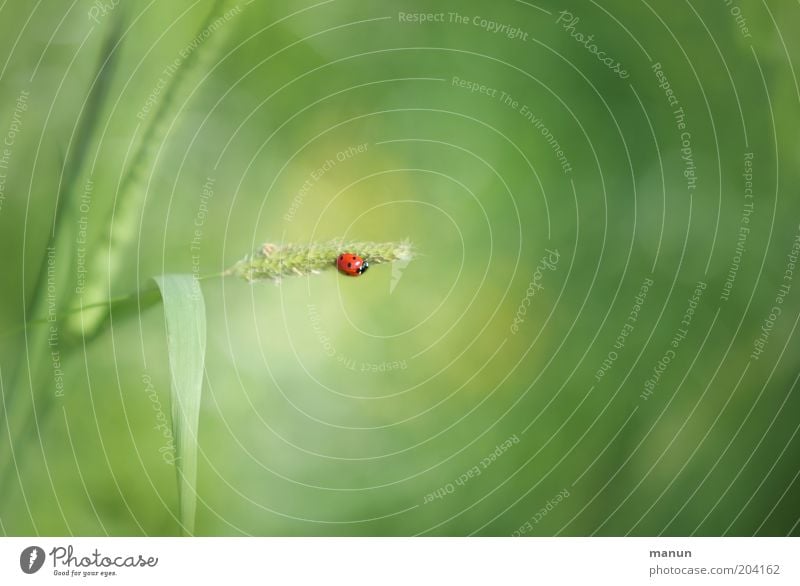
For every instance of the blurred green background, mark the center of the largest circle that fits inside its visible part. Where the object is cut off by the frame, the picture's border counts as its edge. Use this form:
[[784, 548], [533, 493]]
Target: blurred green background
[[337, 406]]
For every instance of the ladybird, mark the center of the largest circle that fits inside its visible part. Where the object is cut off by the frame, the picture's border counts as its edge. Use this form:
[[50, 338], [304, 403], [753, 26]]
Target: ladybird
[[351, 264]]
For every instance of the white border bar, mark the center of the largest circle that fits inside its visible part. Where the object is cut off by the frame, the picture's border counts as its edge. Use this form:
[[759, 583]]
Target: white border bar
[[403, 561]]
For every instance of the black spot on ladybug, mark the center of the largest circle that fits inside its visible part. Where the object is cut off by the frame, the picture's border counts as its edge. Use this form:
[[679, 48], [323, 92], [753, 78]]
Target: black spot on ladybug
[[349, 265]]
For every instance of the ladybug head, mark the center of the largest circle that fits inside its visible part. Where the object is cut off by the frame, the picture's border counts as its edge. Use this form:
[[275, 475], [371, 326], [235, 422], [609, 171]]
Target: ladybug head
[[363, 268]]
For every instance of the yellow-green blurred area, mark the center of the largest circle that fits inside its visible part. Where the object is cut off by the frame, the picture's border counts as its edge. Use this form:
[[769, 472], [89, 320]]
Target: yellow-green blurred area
[[507, 380]]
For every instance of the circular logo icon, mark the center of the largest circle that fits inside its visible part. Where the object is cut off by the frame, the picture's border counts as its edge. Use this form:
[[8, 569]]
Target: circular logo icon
[[31, 559]]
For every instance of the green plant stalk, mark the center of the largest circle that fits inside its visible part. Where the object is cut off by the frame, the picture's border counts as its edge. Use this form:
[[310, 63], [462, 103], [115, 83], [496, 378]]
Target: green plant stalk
[[270, 262], [108, 259], [62, 241], [121, 306], [274, 261]]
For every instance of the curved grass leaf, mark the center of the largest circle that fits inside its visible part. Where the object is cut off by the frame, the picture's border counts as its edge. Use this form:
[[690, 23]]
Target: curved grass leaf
[[184, 311]]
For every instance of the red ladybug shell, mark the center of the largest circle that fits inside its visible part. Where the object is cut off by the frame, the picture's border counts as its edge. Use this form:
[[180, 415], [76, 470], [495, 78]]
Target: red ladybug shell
[[351, 264]]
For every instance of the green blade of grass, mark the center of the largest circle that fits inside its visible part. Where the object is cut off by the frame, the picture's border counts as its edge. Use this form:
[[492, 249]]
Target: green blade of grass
[[185, 315]]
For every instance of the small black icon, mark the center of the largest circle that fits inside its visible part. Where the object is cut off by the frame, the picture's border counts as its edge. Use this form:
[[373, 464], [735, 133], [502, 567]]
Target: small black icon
[[31, 559]]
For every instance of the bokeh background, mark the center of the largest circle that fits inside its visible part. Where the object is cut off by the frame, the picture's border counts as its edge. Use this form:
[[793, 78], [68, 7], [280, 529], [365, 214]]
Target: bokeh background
[[372, 406]]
